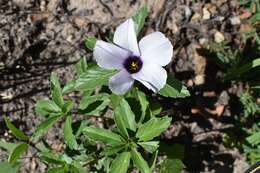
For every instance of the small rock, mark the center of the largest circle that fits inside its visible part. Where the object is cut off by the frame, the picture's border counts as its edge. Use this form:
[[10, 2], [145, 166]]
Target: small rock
[[219, 37], [80, 22], [206, 14], [203, 41], [199, 79], [6, 95], [174, 28], [187, 12], [43, 6], [235, 20], [196, 17], [219, 18], [2, 65]]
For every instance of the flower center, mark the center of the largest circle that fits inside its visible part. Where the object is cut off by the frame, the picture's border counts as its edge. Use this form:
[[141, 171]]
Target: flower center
[[133, 64]]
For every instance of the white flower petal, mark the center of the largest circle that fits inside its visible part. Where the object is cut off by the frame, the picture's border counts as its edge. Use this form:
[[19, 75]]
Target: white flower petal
[[125, 36], [109, 56], [148, 85], [152, 76], [156, 48], [121, 82]]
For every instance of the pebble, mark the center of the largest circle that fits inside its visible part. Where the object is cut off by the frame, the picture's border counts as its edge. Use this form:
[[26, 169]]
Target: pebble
[[219, 37], [187, 12], [235, 20], [196, 17], [199, 79], [206, 14], [203, 41]]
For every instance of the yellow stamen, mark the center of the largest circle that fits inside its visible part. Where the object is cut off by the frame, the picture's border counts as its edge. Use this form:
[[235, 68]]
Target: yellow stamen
[[134, 66]]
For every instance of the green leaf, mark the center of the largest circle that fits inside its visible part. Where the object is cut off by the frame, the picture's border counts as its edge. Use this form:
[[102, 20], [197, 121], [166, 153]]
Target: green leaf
[[76, 167], [153, 128], [139, 19], [46, 107], [141, 97], [255, 18], [174, 88], [121, 163], [56, 170], [139, 161], [128, 117], [67, 106], [171, 165], [9, 147], [150, 146], [236, 72], [56, 92], [17, 152], [112, 150], [43, 146], [6, 167], [69, 87], [81, 66], [103, 135], [115, 100], [254, 139], [156, 108], [51, 158], [44, 126], [93, 77], [175, 151], [90, 42], [93, 105], [69, 137], [15, 131], [119, 120]]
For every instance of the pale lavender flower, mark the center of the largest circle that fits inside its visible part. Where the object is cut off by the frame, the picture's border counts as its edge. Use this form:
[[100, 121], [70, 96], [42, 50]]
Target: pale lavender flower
[[141, 61]]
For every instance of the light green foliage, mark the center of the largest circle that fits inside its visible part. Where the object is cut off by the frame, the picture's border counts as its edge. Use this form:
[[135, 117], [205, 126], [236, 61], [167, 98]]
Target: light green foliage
[[69, 137], [153, 128], [90, 43], [14, 150], [251, 107], [6, 167], [127, 116], [44, 126], [9, 147], [56, 92], [93, 77], [81, 66], [95, 104], [174, 89], [47, 107], [103, 135], [139, 19], [16, 132], [139, 161], [150, 146], [121, 163], [254, 139], [172, 165], [17, 152]]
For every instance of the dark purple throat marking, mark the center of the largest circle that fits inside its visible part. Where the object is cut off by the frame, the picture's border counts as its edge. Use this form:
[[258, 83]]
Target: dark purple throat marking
[[133, 64]]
